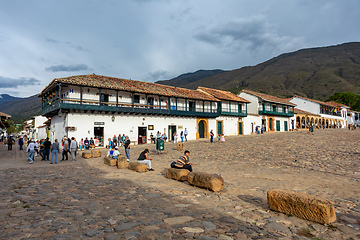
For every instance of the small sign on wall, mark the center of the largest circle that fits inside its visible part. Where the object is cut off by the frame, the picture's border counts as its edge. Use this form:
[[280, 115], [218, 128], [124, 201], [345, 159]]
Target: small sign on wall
[[151, 127], [180, 127], [99, 123]]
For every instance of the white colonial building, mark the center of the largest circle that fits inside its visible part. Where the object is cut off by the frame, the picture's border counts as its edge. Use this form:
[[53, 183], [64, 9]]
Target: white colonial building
[[353, 118], [100, 107], [267, 112], [320, 114]]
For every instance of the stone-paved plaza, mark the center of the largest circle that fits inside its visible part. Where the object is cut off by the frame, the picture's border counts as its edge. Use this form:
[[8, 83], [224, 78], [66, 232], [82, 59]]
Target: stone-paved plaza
[[87, 199]]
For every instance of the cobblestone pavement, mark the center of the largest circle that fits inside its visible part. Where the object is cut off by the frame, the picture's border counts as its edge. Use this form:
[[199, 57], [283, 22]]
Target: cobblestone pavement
[[89, 200]]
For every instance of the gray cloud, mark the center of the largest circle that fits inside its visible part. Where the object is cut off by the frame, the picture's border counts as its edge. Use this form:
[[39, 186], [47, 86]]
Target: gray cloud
[[251, 33], [158, 75], [6, 82], [68, 68]]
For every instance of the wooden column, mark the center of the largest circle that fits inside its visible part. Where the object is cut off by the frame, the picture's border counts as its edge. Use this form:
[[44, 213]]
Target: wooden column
[[100, 96], [81, 95], [117, 98]]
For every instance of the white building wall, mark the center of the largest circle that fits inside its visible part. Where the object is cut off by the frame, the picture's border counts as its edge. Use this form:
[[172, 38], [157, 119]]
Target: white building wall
[[230, 125], [250, 122], [306, 105], [253, 106], [123, 124]]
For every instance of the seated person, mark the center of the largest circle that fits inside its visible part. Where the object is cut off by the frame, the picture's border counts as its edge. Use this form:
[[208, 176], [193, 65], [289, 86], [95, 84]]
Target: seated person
[[86, 143], [183, 162], [116, 153], [164, 137], [222, 138], [92, 144], [144, 159]]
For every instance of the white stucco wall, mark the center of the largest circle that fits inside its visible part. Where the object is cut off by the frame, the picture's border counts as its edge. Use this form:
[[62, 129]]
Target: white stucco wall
[[253, 106], [306, 105], [230, 125]]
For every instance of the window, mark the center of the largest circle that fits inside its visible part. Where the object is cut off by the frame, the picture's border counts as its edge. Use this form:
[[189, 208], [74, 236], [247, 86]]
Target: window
[[136, 98], [274, 108], [104, 97], [191, 106]]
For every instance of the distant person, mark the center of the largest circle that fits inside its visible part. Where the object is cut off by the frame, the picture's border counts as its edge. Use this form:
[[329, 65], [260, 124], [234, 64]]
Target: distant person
[[152, 138], [127, 148], [175, 135], [116, 153], [47, 147], [81, 144], [21, 142], [65, 149], [73, 147], [211, 136], [10, 142], [222, 138], [185, 134], [182, 136], [144, 159], [183, 162], [164, 137], [31, 151], [55, 148], [158, 135], [92, 143], [86, 144]]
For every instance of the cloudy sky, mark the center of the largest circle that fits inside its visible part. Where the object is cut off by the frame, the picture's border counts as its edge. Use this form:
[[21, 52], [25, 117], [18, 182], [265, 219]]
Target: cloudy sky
[[152, 40]]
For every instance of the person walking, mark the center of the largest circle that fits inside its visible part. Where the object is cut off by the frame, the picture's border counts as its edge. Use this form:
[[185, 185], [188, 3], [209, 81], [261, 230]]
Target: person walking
[[10, 142], [185, 134], [47, 146], [30, 151], [127, 148], [73, 146], [144, 159], [175, 137], [65, 149], [182, 136], [54, 151], [21, 142], [211, 136]]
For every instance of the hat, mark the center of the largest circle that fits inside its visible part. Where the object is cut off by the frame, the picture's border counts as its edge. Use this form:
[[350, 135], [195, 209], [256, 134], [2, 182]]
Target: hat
[[116, 147]]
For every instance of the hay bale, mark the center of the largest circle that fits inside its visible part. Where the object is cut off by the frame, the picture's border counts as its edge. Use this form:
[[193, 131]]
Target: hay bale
[[177, 174], [138, 167], [302, 205], [209, 181]]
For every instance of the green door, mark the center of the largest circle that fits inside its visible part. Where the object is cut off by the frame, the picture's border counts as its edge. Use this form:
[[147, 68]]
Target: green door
[[201, 129], [278, 125], [270, 124], [285, 126], [219, 128], [240, 128]]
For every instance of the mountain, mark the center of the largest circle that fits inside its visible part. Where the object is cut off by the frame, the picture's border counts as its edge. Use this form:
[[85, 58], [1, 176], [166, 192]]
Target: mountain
[[6, 97], [315, 73], [188, 78], [21, 109]]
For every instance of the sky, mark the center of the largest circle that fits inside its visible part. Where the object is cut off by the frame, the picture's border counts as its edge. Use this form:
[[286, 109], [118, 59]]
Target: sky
[[151, 40]]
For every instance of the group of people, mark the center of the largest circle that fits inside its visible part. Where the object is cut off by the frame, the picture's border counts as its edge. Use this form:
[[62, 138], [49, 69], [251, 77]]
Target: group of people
[[86, 144], [221, 137], [183, 136], [158, 136]]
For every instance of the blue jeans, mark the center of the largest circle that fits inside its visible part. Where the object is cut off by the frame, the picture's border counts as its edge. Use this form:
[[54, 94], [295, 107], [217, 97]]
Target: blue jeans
[[46, 154], [127, 153], [30, 155], [182, 139], [54, 153]]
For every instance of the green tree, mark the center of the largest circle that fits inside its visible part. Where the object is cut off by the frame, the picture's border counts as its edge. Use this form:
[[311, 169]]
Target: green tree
[[350, 99]]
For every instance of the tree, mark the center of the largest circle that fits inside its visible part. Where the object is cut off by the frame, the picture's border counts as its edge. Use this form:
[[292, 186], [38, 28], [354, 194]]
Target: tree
[[350, 99]]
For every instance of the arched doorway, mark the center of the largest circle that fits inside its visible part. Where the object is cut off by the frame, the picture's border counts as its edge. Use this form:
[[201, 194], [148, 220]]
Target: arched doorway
[[327, 123], [271, 124], [298, 122], [316, 123], [201, 129], [303, 122]]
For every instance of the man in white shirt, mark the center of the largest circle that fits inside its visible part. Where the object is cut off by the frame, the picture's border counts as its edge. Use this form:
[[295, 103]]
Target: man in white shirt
[[31, 150], [73, 146], [116, 152]]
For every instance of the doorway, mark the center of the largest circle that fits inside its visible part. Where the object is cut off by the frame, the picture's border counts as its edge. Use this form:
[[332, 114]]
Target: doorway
[[151, 102], [219, 128], [99, 134], [172, 130], [277, 125], [142, 135], [201, 129], [240, 128], [286, 126], [263, 124]]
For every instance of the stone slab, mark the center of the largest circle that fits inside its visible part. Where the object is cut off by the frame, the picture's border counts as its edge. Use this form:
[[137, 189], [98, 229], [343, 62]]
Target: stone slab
[[177, 174], [95, 153], [178, 220], [86, 154], [209, 181], [302, 205]]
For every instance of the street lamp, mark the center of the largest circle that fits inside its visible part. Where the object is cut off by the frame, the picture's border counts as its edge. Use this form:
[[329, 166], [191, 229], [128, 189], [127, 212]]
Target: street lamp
[[113, 118]]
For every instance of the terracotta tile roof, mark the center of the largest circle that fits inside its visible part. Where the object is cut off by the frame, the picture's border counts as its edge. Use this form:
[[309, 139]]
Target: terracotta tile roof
[[269, 98], [223, 95], [97, 81], [299, 111], [4, 115], [330, 104]]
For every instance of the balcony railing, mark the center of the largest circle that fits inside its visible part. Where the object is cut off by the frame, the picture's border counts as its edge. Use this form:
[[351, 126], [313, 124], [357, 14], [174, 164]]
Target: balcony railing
[[269, 112], [87, 105]]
